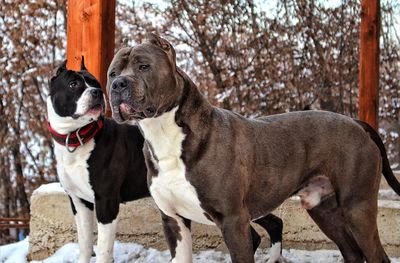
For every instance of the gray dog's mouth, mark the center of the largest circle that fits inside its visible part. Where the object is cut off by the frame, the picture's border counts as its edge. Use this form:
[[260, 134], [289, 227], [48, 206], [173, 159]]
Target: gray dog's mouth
[[124, 112]]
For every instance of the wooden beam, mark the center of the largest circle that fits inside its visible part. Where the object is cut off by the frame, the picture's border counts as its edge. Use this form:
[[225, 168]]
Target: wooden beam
[[91, 33], [8, 226], [368, 104], [8, 219]]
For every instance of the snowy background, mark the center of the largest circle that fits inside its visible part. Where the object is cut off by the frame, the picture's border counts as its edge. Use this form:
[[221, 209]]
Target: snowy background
[[124, 253]]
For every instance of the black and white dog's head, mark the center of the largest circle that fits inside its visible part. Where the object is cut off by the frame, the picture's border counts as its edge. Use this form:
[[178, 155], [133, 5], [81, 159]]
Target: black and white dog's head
[[75, 100]]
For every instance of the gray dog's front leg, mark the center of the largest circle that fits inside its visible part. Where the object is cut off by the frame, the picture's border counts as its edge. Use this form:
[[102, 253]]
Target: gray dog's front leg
[[179, 238], [237, 235]]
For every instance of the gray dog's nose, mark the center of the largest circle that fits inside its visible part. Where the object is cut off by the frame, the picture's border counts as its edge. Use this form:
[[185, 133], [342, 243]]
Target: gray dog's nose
[[119, 84]]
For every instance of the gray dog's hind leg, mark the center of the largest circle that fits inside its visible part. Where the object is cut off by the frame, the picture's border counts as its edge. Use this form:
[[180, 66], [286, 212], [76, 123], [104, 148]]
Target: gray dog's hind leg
[[361, 219], [329, 217]]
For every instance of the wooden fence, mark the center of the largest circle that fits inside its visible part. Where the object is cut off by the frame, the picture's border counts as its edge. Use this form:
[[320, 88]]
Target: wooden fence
[[14, 222]]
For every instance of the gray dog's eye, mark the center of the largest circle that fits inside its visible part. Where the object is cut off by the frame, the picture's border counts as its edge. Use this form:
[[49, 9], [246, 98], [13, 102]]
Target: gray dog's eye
[[144, 67], [112, 74]]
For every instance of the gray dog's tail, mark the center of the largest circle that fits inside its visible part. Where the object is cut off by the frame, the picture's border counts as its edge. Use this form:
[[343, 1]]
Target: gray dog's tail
[[386, 170]]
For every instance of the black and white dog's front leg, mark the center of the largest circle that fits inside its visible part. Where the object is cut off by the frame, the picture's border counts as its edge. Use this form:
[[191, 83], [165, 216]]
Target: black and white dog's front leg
[[83, 213], [106, 212], [179, 238]]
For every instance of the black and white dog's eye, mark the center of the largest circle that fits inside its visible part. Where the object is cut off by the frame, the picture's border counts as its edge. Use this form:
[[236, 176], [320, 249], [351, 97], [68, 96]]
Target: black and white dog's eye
[[113, 74], [144, 67], [73, 84]]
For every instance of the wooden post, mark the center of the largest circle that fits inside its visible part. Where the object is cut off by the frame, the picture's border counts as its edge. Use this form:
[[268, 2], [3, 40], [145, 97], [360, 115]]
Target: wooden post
[[368, 105], [91, 33]]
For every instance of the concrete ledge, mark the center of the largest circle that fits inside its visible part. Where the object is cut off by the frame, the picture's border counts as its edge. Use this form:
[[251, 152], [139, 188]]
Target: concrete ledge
[[52, 226]]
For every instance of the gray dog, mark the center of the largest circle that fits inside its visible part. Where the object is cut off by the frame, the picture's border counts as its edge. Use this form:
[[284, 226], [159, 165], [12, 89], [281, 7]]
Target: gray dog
[[213, 166]]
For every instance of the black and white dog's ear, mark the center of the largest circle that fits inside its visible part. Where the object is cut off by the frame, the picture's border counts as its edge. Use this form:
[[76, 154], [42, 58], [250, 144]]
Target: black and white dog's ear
[[83, 67], [61, 68]]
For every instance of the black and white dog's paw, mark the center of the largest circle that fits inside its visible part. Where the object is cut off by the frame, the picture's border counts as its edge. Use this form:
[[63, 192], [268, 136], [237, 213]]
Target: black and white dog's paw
[[279, 259]]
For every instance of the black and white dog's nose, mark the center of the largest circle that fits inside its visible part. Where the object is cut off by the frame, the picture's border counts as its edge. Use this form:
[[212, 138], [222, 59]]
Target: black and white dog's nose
[[96, 92], [119, 84]]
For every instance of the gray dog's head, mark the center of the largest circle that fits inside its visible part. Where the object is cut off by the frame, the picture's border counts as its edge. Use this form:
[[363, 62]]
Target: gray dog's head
[[142, 80]]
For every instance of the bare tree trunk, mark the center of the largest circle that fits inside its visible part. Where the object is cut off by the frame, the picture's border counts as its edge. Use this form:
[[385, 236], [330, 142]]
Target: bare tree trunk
[[20, 180], [21, 195], [8, 198]]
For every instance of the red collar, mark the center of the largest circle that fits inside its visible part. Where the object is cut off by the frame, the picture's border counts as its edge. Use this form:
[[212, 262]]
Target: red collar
[[78, 137]]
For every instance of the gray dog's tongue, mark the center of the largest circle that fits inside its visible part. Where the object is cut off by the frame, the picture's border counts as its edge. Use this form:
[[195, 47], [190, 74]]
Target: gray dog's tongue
[[124, 108]]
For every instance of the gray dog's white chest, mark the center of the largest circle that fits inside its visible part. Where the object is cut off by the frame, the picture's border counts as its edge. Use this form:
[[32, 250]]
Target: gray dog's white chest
[[170, 190]]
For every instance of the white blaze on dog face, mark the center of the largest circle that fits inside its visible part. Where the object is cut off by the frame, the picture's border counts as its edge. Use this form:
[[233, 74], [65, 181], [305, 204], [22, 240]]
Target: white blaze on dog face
[[88, 103]]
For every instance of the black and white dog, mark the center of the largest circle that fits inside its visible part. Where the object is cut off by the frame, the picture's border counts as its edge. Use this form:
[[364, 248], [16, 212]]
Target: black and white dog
[[99, 163]]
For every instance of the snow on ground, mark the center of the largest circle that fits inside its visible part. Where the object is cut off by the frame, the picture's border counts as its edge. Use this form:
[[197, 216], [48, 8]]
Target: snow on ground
[[14, 253], [129, 252], [50, 188], [388, 194]]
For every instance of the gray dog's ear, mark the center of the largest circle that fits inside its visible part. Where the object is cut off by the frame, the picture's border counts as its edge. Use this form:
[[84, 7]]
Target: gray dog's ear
[[158, 41], [83, 67], [162, 43]]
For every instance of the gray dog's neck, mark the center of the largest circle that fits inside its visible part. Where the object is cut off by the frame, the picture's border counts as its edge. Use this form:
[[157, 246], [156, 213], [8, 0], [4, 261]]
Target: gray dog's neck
[[193, 106]]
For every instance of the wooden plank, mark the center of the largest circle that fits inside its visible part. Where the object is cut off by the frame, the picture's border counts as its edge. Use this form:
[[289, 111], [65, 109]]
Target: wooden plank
[[7, 226], [91, 33], [7, 219], [368, 104]]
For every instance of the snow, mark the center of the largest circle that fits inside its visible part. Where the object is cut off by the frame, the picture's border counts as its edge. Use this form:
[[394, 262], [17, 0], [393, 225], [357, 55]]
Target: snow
[[49, 189], [389, 204], [388, 194], [130, 252], [14, 253]]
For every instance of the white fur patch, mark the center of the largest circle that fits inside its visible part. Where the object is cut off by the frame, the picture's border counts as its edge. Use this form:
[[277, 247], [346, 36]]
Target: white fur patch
[[170, 190], [275, 253], [105, 241], [64, 125], [183, 246], [72, 168], [83, 103]]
